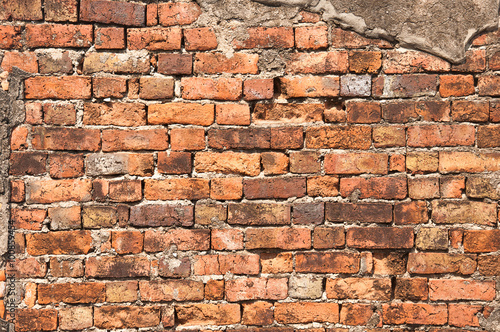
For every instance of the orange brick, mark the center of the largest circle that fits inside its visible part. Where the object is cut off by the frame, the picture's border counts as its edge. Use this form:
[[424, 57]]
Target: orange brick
[[462, 315], [361, 62], [113, 12], [58, 35], [423, 188], [279, 37], [456, 85], [208, 314], [19, 138], [174, 189], [226, 188], [10, 36], [335, 62], [310, 86], [154, 39], [65, 87], [59, 114], [187, 138], [200, 39], [127, 242], [306, 312], [311, 38], [256, 89], [109, 38], [376, 187], [257, 313], [363, 112], [178, 13], [184, 239], [433, 263], [23, 60], [415, 313], [118, 114], [461, 289], [59, 243], [195, 88], [356, 163], [256, 289], [227, 239], [398, 62], [441, 135], [145, 139]]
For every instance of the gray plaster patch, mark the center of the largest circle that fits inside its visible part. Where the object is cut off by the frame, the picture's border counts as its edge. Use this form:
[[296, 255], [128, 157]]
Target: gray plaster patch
[[444, 28]]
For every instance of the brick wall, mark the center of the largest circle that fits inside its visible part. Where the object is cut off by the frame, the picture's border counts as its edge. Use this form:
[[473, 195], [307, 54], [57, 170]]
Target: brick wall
[[169, 175]]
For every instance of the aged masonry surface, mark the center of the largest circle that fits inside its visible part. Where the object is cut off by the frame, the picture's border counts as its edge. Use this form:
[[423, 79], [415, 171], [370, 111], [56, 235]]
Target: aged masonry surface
[[239, 166]]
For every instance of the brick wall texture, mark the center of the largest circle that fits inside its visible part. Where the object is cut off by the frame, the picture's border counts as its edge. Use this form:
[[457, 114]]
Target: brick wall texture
[[170, 178]]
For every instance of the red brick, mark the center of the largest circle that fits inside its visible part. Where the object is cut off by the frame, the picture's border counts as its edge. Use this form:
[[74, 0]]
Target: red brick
[[464, 212], [456, 85], [489, 86], [308, 17], [226, 188], [488, 136], [361, 62], [415, 313], [278, 238], [58, 35], [410, 213], [274, 163], [451, 186], [274, 188], [260, 37], [59, 114], [227, 239], [103, 11], [66, 268], [404, 86], [23, 60], [376, 187], [318, 63], [33, 111], [489, 265], [179, 13], [338, 137], [239, 138], [59, 243], [208, 314], [187, 139], [283, 138], [85, 292], [171, 290], [287, 113], [17, 191], [50, 62], [355, 314], [125, 190], [356, 163], [61, 10], [36, 319], [327, 262], [117, 267], [116, 63], [311, 38], [324, 186], [19, 138], [184, 239], [470, 111], [182, 113], [310, 86], [423, 188], [50, 191], [349, 39], [256, 289], [161, 215], [10, 36], [200, 39], [328, 237], [413, 289], [145, 139], [257, 313], [214, 290], [305, 162], [233, 114], [363, 112], [119, 114], [109, 86], [30, 268], [463, 315], [221, 264], [195, 88], [306, 312], [175, 64], [156, 88], [358, 212], [257, 89], [380, 237], [119, 317], [127, 242], [214, 63], [276, 262], [174, 162], [482, 240], [154, 39], [228, 163], [475, 61], [461, 289], [66, 87], [65, 165], [109, 38], [433, 263], [28, 163], [397, 62], [358, 288], [440, 135], [422, 162]]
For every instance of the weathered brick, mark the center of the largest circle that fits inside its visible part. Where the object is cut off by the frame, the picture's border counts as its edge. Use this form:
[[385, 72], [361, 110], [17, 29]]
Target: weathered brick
[[226, 188], [171, 290], [305, 287], [415, 313], [410, 213], [26, 61], [278, 238], [156, 88], [59, 114], [456, 85], [456, 212], [216, 63], [397, 62], [339, 137], [50, 87], [305, 162], [335, 62], [413, 289], [17, 191], [482, 240], [184, 239], [104, 11], [260, 37], [10, 36], [28, 163], [59, 243], [361, 62], [233, 114], [283, 138], [145, 139], [463, 315], [221, 264], [432, 238], [380, 237], [488, 136], [228, 163], [422, 162], [461, 289], [84, 292], [389, 136], [288, 113], [75, 318], [182, 113], [208, 314], [432, 263], [38, 319], [327, 262], [356, 163], [117, 267], [258, 214], [227, 239], [50, 191], [423, 187], [355, 314], [358, 212], [274, 188], [179, 13], [324, 186], [58, 35], [488, 265], [30, 219], [277, 262], [109, 38], [375, 187], [349, 39], [109, 86], [355, 85], [154, 39], [30, 268], [256, 289], [118, 63], [359, 288], [174, 268], [119, 317], [470, 111], [311, 38], [455, 161], [488, 86], [441, 135], [214, 290], [127, 242], [66, 268], [257, 89], [306, 312], [452, 186], [175, 64], [308, 213], [405, 86], [174, 162], [363, 112], [119, 114], [257, 313], [200, 39], [196, 88], [310, 86], [475, 61]]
